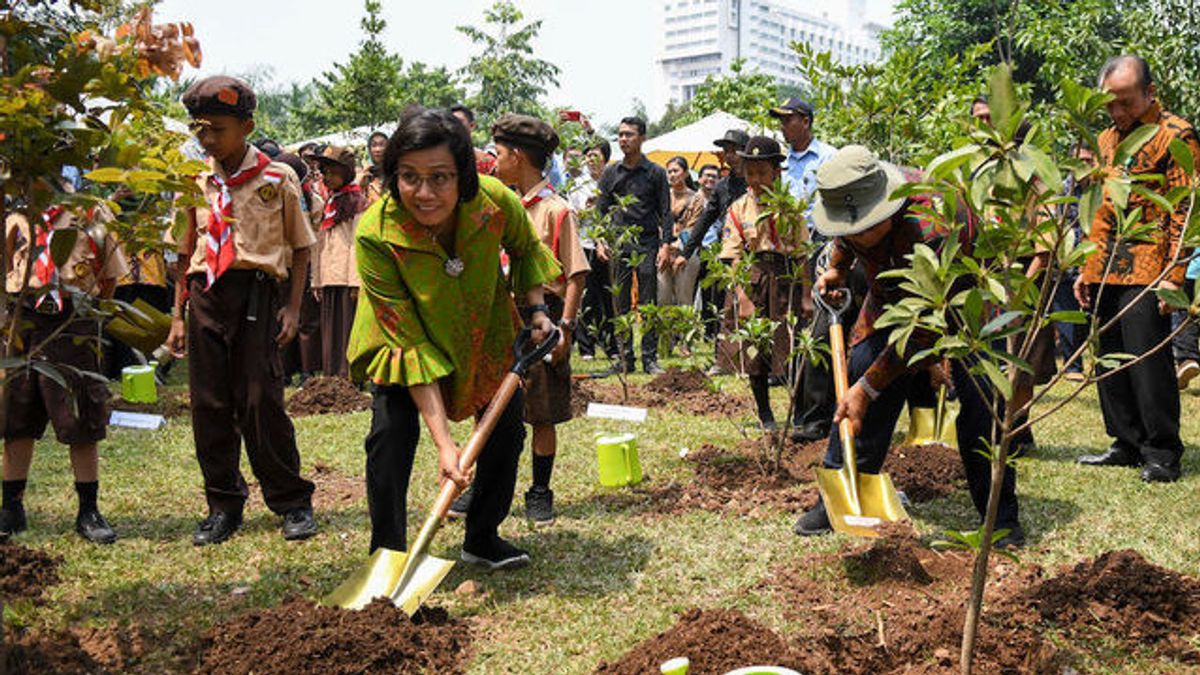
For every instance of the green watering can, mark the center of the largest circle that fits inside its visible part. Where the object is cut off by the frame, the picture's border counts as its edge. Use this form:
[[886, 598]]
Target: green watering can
[[617, 458], [137, 384]]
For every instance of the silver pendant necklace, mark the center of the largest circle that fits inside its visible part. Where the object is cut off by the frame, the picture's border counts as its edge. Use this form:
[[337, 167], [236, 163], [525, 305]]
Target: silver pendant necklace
[[454, 267]]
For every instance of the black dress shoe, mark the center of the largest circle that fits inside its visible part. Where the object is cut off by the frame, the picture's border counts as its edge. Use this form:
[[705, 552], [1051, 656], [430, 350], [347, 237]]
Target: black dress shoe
[[1014, 539], [653, 368], [12, 521], [815, 521], [1114, 456], [93, 527], [1154, 472], [809, 433], [299, 524], [216, 528]]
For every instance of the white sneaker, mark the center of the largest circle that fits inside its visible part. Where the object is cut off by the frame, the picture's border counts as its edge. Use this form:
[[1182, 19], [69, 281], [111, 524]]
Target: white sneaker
[[1185, 372]]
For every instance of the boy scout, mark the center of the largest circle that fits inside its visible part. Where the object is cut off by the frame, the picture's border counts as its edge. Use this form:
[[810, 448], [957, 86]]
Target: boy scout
[[34, 399], [773, 247], [236, 252], [335, 276], [523, 146]]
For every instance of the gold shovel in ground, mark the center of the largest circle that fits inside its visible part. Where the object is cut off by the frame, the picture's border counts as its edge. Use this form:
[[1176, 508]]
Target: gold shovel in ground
[[929, 426], [857, 503], [408, 578]]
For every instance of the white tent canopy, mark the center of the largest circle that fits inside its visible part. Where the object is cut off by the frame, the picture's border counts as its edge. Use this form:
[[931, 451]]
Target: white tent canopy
[[354, 137], [696, 138]]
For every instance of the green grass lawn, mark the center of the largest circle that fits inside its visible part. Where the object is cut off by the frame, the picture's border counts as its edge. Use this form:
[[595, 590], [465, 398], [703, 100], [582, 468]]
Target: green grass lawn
[[603, 577]]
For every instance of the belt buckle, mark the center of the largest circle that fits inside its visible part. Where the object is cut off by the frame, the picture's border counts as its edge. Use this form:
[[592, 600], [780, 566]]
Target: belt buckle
[[46, 305]]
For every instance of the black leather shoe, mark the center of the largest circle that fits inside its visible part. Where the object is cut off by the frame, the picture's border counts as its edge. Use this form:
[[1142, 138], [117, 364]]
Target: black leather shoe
[[1154, 472], [1114, 456], [1014, 539], [299, 524], [815, 521], [653, 368], [809, 433], [461, 503], [93, 527], [12, 521], [216, 528]]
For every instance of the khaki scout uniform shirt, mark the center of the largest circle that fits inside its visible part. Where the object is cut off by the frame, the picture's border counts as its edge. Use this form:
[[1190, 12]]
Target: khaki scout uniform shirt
[[95, 258], [333, 256], [754, 236], [546, 215], [269, 221]]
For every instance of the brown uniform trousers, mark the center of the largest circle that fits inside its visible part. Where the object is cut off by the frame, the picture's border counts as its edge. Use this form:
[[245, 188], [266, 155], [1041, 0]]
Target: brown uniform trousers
[[236, 379]]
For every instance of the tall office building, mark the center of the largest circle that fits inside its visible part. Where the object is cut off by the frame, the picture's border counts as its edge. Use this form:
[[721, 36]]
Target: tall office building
[[703, 37]]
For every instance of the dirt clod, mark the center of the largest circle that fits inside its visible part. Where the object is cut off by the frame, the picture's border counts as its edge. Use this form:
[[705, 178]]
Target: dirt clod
[[171, 404], [926, 472], [890, 558], [46, 653], [299, 637], [26, 572], [714, 641], [328, 395], [703, 401], [678, 381]]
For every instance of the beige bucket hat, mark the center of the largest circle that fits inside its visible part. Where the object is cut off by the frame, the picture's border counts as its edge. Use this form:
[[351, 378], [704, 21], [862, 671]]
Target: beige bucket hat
[[853, 192]]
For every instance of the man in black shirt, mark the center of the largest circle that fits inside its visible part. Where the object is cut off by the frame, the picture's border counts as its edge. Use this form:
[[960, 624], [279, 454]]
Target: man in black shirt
[[651, 211]]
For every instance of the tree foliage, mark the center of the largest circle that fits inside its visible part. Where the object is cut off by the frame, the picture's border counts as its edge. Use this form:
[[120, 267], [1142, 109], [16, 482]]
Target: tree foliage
[[365, 89], [748, 95], [504, 75]]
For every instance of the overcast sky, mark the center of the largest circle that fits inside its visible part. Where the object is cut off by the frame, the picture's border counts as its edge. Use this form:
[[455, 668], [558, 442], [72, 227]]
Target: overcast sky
[[606, 49]]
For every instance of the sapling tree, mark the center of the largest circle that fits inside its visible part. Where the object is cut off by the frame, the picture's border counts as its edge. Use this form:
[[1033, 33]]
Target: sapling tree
[[972, 302]]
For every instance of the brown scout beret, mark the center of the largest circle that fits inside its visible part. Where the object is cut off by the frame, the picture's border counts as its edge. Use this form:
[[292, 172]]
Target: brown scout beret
[[220, 95], [338, 155], [524, 131]]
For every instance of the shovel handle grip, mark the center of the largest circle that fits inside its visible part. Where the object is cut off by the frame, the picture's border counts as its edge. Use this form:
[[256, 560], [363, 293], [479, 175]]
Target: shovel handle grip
[[837, 341]]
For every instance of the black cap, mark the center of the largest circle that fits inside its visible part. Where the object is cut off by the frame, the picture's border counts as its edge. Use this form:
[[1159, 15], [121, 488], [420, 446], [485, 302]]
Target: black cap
[[792, 106], [220, 95], [295, 162], [762, 148], [525, 131], [735, 137]]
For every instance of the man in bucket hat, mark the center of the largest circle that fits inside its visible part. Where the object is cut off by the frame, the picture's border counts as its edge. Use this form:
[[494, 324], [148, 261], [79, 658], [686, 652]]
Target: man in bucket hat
[[855, 207]]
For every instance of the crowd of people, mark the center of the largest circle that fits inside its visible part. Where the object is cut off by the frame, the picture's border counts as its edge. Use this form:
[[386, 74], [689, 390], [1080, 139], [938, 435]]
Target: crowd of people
[[412, 272]]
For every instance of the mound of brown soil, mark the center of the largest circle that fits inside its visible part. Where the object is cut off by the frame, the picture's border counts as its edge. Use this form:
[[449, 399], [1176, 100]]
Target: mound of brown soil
[[299, 637], [714, 641], [678, 381], [171, 403], [26, 572], [890, 558], [702, 401], [328, 395], [54, 653], [926, 472], [1122, 594]]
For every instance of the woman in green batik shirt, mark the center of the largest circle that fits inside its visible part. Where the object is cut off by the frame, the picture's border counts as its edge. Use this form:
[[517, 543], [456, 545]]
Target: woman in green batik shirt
[[435, 324]]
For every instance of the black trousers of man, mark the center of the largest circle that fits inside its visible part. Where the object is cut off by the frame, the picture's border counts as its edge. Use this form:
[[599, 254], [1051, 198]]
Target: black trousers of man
[[1140, 403], [647, 276], [817, 401], [974, 427], [391, 446], [595, 325], [236, 380]]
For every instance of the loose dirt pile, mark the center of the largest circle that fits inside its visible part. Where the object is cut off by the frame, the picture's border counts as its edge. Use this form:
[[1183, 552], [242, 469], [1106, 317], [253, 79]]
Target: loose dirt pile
[[299, 637], [925, 472], [1122, 595], [26, 572], [171, 404], [702, 401], [714, 641], [679, 381], [328, 396], [36, 652]]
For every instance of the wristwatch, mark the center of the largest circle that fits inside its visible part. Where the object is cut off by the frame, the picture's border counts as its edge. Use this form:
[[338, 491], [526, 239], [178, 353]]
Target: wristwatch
[[568, 326], [543, 308]]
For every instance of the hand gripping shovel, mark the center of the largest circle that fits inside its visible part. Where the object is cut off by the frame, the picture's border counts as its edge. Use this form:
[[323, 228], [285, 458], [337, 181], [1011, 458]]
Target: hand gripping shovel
[[408, 578], [857, 503]]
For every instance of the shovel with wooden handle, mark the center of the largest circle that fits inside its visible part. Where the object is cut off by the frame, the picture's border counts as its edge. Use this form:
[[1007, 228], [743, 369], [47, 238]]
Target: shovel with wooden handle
[[857, 503], [408, 578]]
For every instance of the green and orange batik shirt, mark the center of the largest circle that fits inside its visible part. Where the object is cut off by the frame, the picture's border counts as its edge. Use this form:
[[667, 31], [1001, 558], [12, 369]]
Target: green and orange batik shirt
[[425, 316]]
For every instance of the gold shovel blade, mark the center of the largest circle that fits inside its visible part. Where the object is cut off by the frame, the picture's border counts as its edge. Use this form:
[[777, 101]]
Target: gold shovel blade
[[879, 502], [949, 432], [922, 427], [380, 576]]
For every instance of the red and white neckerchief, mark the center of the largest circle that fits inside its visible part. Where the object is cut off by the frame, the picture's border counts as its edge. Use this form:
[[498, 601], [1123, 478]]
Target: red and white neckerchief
[[544, 193], [329, 219], [220, 252], [44, 268]]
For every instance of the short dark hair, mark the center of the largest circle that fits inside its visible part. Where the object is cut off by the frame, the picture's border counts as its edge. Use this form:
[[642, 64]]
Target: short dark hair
[[460, 108], [604, 147], [706, 167], [424, 128], [269, 147], [636, 122], [538, 157], [1145, 78]]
